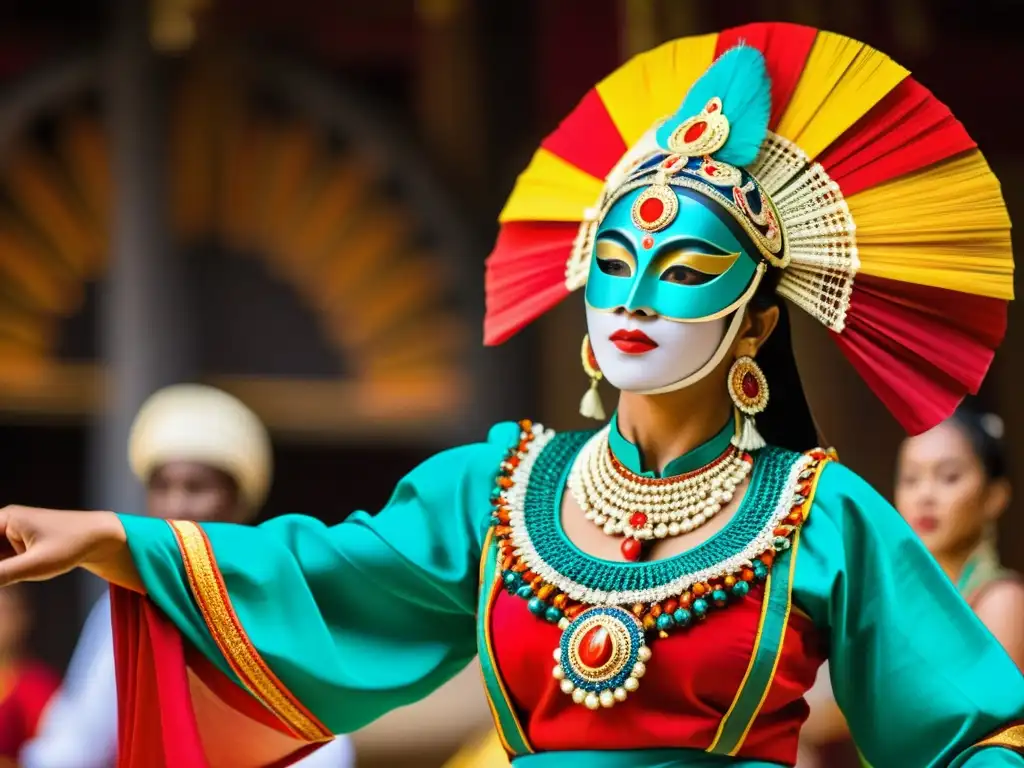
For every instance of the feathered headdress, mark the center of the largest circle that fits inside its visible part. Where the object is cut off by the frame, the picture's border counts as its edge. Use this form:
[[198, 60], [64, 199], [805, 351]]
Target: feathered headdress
[[896, 235]]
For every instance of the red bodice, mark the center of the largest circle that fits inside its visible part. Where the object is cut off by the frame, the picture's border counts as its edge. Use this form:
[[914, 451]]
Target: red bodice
[[691, 681]]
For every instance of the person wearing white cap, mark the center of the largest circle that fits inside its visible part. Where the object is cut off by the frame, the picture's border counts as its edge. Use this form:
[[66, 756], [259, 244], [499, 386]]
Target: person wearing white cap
[[203, 455]]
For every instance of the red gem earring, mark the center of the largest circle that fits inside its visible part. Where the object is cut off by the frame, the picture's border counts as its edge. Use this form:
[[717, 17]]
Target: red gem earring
[[748, 389], [590, 405]]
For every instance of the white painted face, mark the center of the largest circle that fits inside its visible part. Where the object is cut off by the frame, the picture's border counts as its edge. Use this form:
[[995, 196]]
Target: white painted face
[[640, 353]]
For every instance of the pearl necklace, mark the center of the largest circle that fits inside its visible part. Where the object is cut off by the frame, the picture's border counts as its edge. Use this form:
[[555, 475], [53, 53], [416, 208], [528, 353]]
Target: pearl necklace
[[623, 503]]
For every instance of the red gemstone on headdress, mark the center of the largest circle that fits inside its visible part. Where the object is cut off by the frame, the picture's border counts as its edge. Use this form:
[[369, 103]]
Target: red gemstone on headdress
[[695, 131], [651, 209], [638, 520], [710, 169], [750, 386], [631, 549], [596, 647], [711, 107], [647, 242]]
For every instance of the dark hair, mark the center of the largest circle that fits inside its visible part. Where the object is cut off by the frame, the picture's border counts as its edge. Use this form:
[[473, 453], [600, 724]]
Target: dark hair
[[787, 422], [984, 432]]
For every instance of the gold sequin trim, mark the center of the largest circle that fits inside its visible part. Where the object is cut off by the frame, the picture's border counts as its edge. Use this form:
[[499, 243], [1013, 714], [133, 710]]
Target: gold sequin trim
[[1012, 738], [211, 595]]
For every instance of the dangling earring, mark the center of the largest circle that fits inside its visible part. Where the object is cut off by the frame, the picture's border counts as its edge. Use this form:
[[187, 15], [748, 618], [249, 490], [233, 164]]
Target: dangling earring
[[590, 405], [748, 389]]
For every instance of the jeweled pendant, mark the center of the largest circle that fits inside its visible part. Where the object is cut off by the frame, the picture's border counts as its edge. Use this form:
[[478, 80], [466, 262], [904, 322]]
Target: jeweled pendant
[[601, 657]]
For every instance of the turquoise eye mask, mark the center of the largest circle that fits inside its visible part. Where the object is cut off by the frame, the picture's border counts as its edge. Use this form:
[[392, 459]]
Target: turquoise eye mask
[[698, 267]]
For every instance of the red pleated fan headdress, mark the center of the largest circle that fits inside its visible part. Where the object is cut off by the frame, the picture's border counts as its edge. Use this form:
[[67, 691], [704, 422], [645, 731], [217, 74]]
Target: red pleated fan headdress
[[898, 232]]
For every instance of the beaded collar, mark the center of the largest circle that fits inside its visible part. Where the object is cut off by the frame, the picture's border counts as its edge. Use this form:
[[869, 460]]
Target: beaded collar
[[606, 608], [534, 503]]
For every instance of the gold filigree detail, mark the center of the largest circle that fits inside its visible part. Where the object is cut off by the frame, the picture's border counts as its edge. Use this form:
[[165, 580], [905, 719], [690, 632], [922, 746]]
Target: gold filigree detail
[[722, 174], [703, 134], [669, 208], [619, 636], [211, 595]]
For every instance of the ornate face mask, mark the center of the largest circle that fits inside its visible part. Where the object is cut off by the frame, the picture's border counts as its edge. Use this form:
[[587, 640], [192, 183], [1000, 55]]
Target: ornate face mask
[[685, 240], [695, 268]]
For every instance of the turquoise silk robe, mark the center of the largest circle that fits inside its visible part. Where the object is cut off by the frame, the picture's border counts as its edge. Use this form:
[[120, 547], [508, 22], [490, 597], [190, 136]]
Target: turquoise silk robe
[[328, 628]]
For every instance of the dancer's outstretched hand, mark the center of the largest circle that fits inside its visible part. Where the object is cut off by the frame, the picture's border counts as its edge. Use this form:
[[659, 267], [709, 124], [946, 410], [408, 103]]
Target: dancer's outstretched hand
[[38, 544]]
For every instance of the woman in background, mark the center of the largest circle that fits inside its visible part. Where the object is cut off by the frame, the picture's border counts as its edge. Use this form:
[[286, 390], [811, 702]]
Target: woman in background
[[952, 486], [26, 686]]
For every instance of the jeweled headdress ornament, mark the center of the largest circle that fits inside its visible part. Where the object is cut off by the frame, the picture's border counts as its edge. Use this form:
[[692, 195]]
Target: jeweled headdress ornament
[[842, 170]]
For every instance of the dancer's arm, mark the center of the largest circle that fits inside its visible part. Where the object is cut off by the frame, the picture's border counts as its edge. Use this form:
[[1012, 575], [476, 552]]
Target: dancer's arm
[[918, 677]]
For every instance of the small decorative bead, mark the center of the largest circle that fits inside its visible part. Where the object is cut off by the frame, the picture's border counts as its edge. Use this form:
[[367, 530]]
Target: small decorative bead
[[741, 588], [699, 589], [747, 574], [700, 607], [648, 622], [559, 601], [631, 684], [670, 605], [720, 598], [558, 673], [553, 615], [639, 669], [781, 543], [607, 699], [760, 570], [579, 695], [665, 622], [729, 581], [537, 606], [644, 653], [592, 701], [525, 592], [545, 591], [682, 617], [558, 654], [573, 611], [567, 686], [620, 694], [655, 611]]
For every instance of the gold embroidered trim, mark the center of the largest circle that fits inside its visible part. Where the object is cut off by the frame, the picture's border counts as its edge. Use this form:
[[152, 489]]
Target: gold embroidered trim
[[493, 589], [1011, 737], [211, 595]]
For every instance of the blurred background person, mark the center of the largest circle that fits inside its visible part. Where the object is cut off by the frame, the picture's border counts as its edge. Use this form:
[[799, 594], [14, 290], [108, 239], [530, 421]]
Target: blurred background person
[[202, 455], [26, 685], [952, 486]]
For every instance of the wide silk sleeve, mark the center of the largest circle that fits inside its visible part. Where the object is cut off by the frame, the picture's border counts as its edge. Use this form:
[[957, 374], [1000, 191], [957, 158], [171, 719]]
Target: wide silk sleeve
[[330, 627], [919, 678]]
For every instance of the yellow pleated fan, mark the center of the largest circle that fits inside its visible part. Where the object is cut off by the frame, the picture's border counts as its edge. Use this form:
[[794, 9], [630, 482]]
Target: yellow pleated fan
[[897, 230]]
